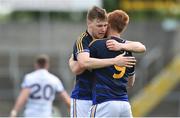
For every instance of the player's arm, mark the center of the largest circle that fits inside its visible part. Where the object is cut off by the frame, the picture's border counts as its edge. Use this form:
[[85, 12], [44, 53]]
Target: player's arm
[[22, 98], [85, 61], [64, 95], [132, 46], [75, 67], [131, 81]]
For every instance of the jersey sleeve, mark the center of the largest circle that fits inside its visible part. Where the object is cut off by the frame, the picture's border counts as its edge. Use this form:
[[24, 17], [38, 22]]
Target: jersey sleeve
[[59, 86], [26, 82], [81, 45], [131, 71]]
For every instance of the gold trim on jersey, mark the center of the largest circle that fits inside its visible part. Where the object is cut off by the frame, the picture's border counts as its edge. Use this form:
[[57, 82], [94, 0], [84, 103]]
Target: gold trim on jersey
[[93, 111], [79, 42], [96, 40]]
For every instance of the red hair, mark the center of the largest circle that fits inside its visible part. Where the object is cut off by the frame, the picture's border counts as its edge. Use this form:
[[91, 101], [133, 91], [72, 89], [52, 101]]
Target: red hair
[[118, 20]]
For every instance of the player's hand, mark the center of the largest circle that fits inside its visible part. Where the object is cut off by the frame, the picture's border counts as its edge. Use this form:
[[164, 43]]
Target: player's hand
[[122, 60], [114, 45], [13, 114]]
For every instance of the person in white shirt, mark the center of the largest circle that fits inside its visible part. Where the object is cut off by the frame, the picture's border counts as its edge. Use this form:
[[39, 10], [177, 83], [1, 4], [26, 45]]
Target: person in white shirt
[[38, 91]]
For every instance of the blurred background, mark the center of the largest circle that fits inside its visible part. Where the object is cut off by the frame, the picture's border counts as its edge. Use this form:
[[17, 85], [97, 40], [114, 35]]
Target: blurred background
[[32, 27]]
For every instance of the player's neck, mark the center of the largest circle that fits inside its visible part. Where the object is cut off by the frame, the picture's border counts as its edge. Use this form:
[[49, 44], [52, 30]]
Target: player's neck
[[89, 31], [115, 34]]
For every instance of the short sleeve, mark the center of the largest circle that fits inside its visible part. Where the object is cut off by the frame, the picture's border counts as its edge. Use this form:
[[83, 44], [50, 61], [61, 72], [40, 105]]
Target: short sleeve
[[81, 45], [26, 82], [59, 86], [131, 71]]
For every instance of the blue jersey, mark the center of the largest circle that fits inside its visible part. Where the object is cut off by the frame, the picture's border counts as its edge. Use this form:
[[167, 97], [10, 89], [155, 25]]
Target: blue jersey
[[110, 82], [83, 86]]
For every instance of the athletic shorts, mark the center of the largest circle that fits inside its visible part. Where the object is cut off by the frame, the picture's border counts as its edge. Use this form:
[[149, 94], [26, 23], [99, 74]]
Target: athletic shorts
[[111, 109], [80, 108]]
